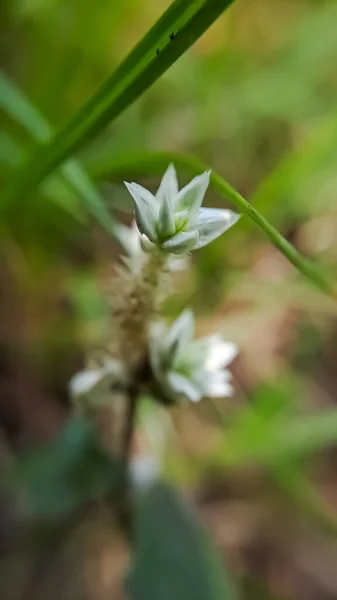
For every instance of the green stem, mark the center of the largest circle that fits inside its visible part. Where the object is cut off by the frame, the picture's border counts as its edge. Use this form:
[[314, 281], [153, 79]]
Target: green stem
[[141, 163], [306, 266]]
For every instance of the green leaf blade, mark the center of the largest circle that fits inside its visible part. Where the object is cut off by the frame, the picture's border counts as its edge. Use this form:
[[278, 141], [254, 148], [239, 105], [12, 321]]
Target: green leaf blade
[[57, 478], [18, 107], [144, 65], [173, 558]]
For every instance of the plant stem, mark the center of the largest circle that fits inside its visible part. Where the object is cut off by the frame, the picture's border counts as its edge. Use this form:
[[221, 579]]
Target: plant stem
[[130, 418], [121, 502]]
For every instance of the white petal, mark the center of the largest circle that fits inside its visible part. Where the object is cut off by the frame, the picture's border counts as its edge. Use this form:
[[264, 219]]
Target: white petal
[[166, 222], [112, 367], [191, 196], [129, 237], [182, 329], [145, 209], [182, 385], [83, 382], [217, 384], [145, 243], [212, 222], [181, 243], [220, 353], [168, 185]]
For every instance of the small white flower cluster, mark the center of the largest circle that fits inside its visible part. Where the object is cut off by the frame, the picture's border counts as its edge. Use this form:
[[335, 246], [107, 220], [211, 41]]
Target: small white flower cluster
[[182, 366], [189, 368], [170, 224], [173, 220]]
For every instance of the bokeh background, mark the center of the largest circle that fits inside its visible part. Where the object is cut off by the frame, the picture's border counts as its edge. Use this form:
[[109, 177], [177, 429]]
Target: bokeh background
[[255, 98]]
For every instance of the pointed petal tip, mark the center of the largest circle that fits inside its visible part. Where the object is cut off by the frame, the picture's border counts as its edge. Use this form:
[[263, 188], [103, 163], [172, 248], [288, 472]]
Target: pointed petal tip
[[211, 223], [145, 209], [169, 184], [220, 353], [191, 196]]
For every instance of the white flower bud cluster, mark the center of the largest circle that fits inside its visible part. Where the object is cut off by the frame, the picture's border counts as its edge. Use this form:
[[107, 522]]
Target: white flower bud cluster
[[189, 368], [173, 220], [167, 227]]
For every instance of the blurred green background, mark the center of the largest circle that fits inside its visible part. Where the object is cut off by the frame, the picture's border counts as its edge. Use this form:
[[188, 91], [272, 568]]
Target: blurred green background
[[255, 98]]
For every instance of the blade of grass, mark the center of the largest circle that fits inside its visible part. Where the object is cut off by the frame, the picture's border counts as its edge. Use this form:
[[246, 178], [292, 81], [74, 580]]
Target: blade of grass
[[55, 188], [178, 28], [19, 108], [149, 162], [11, 155], [311, 270]]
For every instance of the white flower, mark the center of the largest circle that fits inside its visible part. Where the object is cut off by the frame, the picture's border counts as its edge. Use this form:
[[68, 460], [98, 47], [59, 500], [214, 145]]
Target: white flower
[[173, 220], [135, 244], [94, 385], [190, 368]]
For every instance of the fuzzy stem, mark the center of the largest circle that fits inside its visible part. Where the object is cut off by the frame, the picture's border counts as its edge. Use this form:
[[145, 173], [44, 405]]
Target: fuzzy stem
[[138, 307]]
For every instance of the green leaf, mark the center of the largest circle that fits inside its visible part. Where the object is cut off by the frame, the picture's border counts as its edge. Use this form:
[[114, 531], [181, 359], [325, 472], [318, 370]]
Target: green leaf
[[55, 479], [173, 559], [11, 155], [153, 55], [21, 110]]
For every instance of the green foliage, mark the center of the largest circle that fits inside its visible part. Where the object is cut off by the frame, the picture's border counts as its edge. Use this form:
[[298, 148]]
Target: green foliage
[[56, 479], [173, 557], [134, 75], [273, 429], [19, 108]]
